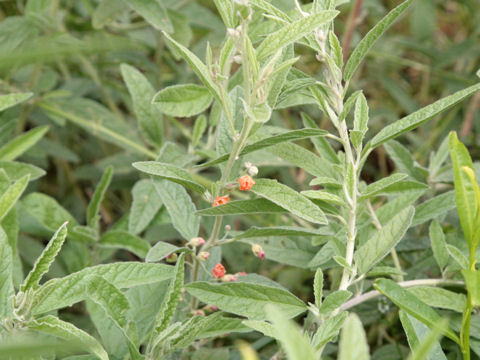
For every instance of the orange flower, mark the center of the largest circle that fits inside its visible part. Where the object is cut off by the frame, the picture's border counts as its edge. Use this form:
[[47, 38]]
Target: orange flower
[[221, 200], [218, 271], [246, 182]]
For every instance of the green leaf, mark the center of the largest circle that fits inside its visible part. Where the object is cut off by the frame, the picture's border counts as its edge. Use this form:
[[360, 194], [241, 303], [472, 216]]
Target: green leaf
[[413, 306], [434, 207], [296, 344], [11, 195], [98, 127], [472, 279], [321, 144], [439, 298], [66, 291], [439, 246], [360, 120], [246, 299], [255, 231], [16, 147], [270, 141], [170, 173], [106, 12], [464, 191], [109, 297], [6, 279], [172, 297], [292, 32], [114, 305], [145, 205], [458, 256], [183, 100], [378, 186], [416, 119], [333, 301], [44, 261], [417, 333], [324, 196], [240, 207], [198, 129], [289, 199], [94, 206], [43, 215], [180, 207], [318, 287], [226, 10], [118, 239], [307, 160], [161, 250], [16, 170], [379, 271], [148, 115], [9, 100], [404, 161], [353, 340], [198, 67], [369, 40], [328, 330], [154, 12], [383, 241], [53, 326]]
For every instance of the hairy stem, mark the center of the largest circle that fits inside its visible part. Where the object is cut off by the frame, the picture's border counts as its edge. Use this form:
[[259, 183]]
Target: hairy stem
[[406, 284]]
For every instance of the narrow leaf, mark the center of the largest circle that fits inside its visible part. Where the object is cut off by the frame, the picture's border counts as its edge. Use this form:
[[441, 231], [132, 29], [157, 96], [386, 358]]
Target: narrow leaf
[[369, 40], [240, 207], [44, 261], [97, 198], [416, 119], [9, 100], [170, 173], [246, 299], [11, 195], [289, 199], [16, 147], [383, 241], [292, 32], [353, 340], [413, 306], [118, 239]]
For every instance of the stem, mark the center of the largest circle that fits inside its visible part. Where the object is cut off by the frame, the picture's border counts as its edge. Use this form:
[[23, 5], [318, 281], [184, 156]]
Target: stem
[[406, 284], [467, 316], [352, 217]]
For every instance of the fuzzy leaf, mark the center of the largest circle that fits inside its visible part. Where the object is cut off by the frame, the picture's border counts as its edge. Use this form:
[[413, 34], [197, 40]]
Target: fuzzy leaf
[[439, 246], [240, 207], [328, 330], [145, 205], [246, 299], [413, 306], [154, 12], [383, 241], [148, 115], [183, 100], [44, 261], [289, 199], [333, 301], [16, 147], [6, 268], [54, 326], [11, 195], [292, 32], [254, 232], [416, 119], [369, 40], [170, 173], [353, 340], [66, 291], [94, 206], [9, 100], [264, 143], [118, 239]]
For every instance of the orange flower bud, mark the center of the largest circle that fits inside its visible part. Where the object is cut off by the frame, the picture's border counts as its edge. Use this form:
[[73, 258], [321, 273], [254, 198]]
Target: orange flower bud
[[221, 200], [258, 251], [172, 258], [218, 271], [246, 182]]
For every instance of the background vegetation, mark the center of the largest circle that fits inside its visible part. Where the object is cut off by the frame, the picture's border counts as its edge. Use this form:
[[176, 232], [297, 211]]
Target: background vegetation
[[76, 57]]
